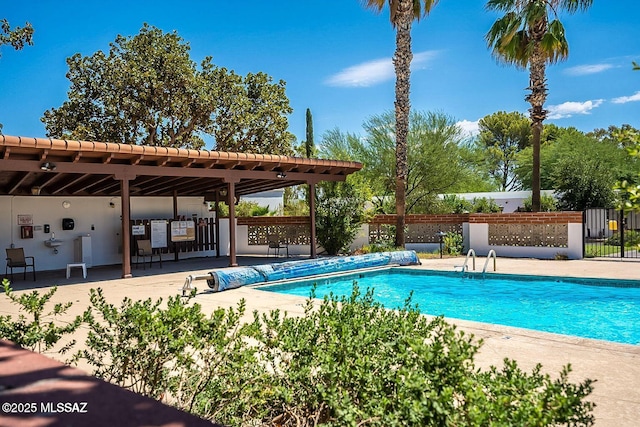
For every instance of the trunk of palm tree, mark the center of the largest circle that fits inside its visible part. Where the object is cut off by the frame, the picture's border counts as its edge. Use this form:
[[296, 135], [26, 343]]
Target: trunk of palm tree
[[537, 98], [402, 63]]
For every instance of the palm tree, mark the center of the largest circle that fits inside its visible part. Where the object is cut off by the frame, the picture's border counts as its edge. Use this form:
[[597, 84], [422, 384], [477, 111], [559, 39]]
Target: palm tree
[[530, 35], [402, 14]]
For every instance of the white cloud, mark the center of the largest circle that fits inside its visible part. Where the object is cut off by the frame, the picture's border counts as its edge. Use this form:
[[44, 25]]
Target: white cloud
[[582, 70], [376, 71], [469, 128], [568, 109], [625, 99]]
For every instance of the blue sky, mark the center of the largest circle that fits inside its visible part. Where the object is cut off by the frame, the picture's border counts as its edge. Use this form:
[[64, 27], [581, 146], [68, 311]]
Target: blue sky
[[336, 58]]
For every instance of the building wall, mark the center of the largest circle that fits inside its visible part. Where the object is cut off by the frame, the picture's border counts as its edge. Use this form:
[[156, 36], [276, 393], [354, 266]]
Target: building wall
[[94, 216]]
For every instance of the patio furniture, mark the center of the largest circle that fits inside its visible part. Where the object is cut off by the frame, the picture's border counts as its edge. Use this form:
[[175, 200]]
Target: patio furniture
[[77, 264], [145, 250], [16, 259], [275, 245]]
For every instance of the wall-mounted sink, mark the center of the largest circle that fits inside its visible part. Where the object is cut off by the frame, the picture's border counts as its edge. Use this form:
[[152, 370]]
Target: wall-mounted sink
[[53, 243]]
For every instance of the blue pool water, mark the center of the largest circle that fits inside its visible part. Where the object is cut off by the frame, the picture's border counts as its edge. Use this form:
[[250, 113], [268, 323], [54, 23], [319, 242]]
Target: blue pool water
[[591, 308]]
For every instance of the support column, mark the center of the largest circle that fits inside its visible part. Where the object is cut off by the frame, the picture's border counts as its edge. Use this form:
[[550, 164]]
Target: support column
[[126, 225], [175, 217], [312, 218], [231, 194], [217, 224]]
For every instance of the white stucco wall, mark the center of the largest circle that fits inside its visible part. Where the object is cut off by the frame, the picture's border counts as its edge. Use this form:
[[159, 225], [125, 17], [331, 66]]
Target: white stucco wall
[[93, 216], [479, 242]]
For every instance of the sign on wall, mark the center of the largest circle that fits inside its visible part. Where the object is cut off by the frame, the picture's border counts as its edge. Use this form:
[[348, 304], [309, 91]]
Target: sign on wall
[[183, 231], [158, 234], [137, 230], [26, 219]]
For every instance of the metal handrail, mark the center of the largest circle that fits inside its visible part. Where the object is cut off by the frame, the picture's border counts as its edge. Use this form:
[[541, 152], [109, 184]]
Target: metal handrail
[[491, 253], [464, 266]]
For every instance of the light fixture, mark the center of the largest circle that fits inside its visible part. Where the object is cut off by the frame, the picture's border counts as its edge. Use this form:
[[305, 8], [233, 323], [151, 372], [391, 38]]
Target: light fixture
[[48, 166], [35, 191], [223, 192], [66, 204], [281, 175]]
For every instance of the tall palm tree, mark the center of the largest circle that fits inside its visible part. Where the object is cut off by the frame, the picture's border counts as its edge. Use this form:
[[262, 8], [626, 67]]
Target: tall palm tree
[[402, 14], [531, 35]]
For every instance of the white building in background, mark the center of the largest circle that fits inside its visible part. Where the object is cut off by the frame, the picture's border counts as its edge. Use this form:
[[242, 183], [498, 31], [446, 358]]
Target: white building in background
[[272, 199], [509, 200]]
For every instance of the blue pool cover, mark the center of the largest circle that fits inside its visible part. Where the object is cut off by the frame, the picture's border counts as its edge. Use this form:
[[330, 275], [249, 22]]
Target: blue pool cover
[[235, 277]]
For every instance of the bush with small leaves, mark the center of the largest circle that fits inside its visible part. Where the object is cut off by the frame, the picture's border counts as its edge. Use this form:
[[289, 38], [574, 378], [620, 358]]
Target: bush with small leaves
[[351, 362], [347, 361], [174, 353], [38, 332]]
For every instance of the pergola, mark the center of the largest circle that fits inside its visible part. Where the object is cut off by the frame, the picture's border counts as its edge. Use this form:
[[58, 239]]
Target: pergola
[[34, 166]]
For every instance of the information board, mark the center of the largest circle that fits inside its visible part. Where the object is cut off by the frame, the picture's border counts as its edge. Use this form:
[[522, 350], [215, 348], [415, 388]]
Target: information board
[[158, 234], [183, 231], [137, 230]]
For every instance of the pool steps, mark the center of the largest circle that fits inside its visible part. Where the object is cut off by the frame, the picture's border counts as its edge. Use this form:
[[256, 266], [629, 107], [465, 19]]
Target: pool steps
[[489, 255], [465, 266], [235, 277]]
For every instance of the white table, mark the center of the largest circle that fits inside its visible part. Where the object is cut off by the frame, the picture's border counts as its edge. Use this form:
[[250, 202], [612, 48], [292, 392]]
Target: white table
[[77, 264]]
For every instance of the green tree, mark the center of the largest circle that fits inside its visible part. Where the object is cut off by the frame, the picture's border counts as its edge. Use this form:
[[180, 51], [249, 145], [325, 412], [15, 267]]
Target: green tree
[[339, 214], [17, 37], [583, 184], [338, 145], [531, 35], [502, 136], [435, 164], [251, 114], [557, 142], [629, 187], [309, 146], [581, 169], [402, 14], [147, 90]]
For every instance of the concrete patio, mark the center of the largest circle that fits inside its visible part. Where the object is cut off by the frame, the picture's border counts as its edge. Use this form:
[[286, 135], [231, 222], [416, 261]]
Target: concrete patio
[[616, 367]]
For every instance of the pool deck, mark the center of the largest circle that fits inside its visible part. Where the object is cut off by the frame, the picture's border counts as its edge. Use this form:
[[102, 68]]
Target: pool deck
[[616, 367]]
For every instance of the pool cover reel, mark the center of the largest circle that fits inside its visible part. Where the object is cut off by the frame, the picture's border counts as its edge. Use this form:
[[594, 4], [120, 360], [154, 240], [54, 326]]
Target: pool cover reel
[[235, 277]]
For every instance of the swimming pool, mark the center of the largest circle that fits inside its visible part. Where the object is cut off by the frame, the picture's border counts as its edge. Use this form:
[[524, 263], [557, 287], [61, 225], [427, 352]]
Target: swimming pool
[[592, 308]]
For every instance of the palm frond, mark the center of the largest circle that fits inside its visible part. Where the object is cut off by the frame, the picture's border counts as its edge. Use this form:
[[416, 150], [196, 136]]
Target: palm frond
[[534, 12], [554, 43], [572, 6], [376, 5], [502, 5], [422, 8]]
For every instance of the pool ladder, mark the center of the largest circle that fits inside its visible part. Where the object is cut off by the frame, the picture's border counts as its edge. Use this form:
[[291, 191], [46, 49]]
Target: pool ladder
[[465, 267]]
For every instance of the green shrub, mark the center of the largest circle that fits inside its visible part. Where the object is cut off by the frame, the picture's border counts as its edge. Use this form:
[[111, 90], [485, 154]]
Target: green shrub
[[452, 203], [339, 215], [155, 351], [350, 362], [485, 205], [548, 203], [631, 238], [39, 332], [453, 243], [346, 362]]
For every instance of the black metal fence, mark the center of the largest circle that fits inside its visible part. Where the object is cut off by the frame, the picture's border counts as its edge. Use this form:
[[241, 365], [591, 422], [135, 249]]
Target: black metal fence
[[611, 233]]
